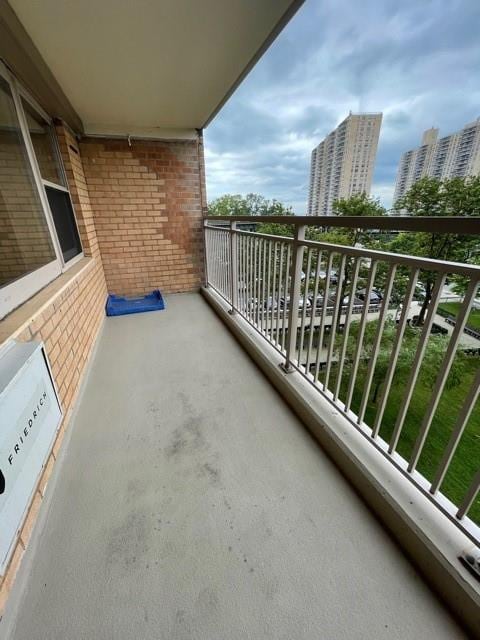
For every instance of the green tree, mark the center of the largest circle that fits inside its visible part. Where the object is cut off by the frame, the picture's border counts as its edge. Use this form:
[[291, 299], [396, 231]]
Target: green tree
[[434, 354], [360, 205], [252, 204], [433, 197], [227, 205]]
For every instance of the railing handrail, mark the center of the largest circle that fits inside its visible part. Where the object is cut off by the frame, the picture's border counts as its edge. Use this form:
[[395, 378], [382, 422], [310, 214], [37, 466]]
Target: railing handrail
[[443, 266], [460, 225]]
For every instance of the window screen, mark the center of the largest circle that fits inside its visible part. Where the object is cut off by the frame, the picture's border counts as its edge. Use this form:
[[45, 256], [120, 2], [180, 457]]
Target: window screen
[[64, 219]]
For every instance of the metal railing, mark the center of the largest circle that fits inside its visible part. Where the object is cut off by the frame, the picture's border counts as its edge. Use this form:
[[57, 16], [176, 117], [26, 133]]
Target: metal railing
[[328, 310]]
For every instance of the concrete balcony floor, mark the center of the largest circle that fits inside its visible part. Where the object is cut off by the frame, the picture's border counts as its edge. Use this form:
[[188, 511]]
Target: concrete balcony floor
[[191, 503]]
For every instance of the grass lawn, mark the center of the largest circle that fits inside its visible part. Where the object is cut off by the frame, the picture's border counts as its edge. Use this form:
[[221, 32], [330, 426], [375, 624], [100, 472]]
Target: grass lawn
[[454, 307], [466, 459]]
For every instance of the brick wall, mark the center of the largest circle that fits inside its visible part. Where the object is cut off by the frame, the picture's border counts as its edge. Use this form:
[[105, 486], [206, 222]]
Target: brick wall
[[147, 202], [139, 213], [68, 325]]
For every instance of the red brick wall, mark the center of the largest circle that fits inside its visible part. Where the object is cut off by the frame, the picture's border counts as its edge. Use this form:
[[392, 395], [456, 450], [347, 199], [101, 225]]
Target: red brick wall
[[139, 214], [147, 204]]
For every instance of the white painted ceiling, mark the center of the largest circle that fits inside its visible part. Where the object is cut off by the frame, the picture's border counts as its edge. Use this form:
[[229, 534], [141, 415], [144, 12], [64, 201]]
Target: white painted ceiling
[[143, 65]]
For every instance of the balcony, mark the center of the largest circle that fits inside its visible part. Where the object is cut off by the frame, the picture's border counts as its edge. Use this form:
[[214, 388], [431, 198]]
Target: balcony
[[207, 510], [203, 508]]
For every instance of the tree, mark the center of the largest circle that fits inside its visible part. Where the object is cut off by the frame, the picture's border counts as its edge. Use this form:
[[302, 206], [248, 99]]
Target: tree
[[360, 205], [433, 357], [433, 197], [252, 204], [228, 205]]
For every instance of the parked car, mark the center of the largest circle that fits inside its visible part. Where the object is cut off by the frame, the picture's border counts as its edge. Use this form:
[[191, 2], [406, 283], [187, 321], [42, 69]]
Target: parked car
[[375, 296], [285, 303], [420, 291], [270, 304], [333, 276], [318, 302]]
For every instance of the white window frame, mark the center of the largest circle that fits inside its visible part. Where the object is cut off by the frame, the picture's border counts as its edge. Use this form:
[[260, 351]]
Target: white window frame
[[16, 293]]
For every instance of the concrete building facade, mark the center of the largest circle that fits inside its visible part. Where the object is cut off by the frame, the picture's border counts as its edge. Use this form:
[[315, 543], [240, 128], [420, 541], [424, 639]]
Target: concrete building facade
[[342, 165], [456, 155]]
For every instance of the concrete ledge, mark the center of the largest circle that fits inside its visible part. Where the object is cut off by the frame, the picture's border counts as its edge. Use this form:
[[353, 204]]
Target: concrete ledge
[[429, 538]]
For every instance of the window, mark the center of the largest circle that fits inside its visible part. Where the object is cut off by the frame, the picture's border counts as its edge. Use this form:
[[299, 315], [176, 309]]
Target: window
[[51, 170], [38, 232], [25, 242]]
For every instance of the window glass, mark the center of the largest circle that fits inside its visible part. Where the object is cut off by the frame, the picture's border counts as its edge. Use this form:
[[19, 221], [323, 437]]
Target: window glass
[[44, 145], [46, 153], [25, 242], [64, 219]]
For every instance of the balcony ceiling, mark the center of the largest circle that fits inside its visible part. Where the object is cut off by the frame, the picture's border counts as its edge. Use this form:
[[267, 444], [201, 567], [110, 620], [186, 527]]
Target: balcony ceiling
[[146, 66]]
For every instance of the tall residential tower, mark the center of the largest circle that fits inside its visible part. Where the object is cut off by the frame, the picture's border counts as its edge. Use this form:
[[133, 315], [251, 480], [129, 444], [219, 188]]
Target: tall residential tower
[[342, 164], [455, 155]]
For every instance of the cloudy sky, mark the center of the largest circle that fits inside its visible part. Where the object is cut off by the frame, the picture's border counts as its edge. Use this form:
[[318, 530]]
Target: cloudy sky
[[417, 61]]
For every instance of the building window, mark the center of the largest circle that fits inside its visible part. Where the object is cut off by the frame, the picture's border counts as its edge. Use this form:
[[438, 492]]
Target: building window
[[38, 232], [44, 143]]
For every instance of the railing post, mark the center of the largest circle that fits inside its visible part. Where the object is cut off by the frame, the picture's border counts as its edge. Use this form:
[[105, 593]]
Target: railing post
[[206, 247], [295, 285], [233, 267]]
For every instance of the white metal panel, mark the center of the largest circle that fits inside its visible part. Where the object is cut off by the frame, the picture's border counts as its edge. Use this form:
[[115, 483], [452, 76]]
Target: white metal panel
[[29, 418]]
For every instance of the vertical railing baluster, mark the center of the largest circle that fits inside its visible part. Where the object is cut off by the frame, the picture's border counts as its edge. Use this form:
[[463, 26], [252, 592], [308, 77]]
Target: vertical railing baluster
[[288, 299], [304, 307], [249, 277], [361, 333], [280, 270], [221, 250], [462, 421], [218, 261], [233, 267], [337, 308], [417, 361], [376, 343], [313, 312], [214, 258], [469, 496], [253, 274], [323, 316], [274, 309], [240, 272], [207, 258], [268, 328], [259, 284], [264, 283], [402, 323], [295, 287], [346, 328], [245, 267], [227, 263]]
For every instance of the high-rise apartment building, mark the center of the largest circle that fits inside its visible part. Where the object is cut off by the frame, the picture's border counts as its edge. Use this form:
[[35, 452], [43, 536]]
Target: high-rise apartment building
[[342, 164], [455, 155]]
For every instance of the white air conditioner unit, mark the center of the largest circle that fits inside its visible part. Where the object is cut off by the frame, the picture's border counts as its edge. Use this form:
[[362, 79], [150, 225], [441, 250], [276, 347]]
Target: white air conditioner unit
[[30, 416]]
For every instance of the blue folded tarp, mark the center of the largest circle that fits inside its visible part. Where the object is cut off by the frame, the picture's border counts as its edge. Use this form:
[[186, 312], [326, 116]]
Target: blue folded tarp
[[120, 306]]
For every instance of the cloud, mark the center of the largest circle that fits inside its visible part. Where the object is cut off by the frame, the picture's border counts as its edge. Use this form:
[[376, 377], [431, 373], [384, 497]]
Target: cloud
[[417, 62]]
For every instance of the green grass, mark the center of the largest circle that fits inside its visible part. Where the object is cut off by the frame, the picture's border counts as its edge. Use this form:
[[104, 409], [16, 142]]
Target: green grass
[[454, 307], [465, 461]]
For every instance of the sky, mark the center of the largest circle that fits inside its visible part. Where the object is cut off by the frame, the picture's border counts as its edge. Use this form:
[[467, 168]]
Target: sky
[[417, 61]]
